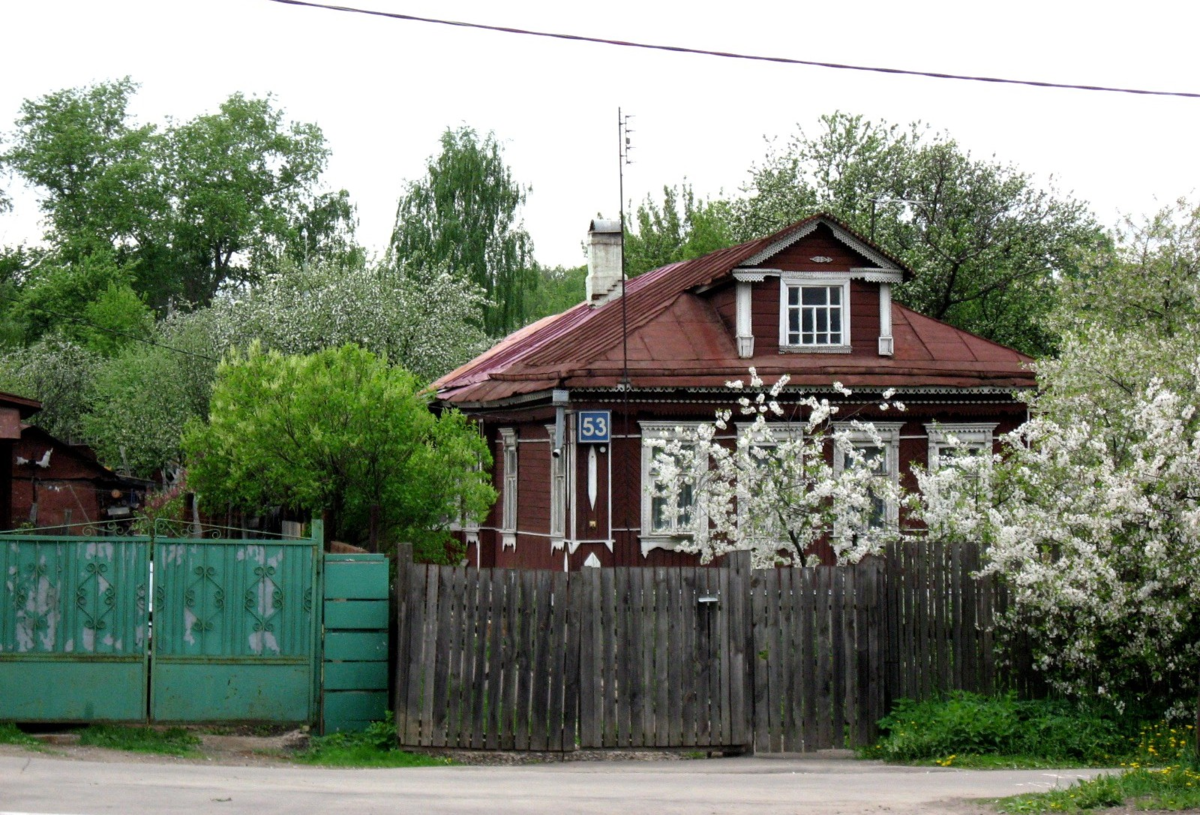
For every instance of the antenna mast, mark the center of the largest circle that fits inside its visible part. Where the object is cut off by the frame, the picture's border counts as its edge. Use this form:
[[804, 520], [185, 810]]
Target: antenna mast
[[624, 145]]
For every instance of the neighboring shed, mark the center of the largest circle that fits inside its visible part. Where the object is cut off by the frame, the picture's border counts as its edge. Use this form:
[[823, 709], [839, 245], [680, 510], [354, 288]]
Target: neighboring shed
[[813, 301], [55, 484], [13, 411]]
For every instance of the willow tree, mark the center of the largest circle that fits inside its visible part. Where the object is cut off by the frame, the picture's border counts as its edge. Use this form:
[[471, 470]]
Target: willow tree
[[463, 216]]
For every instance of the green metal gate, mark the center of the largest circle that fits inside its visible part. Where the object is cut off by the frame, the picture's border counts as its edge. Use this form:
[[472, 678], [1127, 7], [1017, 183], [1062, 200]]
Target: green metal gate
[[73, 628], [230, 634]]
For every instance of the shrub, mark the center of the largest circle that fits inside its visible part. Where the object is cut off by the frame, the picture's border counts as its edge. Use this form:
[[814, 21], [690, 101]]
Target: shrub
[[968, 724]]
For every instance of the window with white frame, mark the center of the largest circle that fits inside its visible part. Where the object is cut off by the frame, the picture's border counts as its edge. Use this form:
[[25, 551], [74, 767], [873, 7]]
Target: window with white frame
[[815, 313], [882, 457], [660, 517], [766, 440], [508, 512], [958, 439]]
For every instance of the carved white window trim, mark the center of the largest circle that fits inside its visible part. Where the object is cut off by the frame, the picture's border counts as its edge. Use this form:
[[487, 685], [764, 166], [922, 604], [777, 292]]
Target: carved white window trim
[[889, 437], [508, 511], [976, 436], [660, 539]]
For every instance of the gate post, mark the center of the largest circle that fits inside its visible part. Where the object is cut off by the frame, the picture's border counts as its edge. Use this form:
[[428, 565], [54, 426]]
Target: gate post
[[400, 661]]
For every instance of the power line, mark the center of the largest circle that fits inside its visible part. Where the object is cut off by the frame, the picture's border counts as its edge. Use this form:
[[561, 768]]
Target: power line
[[679, 49]]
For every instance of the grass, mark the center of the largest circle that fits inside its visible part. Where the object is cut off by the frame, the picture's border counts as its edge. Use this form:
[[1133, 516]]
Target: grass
[[1173, 787], [172, 741], [10, 734], [375, 747]]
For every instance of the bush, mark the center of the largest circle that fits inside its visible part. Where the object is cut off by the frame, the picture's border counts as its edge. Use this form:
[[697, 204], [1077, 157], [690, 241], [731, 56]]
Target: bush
[[968, 724]]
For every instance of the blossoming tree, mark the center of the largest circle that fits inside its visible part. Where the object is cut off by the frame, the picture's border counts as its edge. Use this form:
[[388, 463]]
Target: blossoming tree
[[775, 488]]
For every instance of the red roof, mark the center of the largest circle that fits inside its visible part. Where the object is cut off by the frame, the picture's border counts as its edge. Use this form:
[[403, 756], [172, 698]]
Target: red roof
[[675, 338]]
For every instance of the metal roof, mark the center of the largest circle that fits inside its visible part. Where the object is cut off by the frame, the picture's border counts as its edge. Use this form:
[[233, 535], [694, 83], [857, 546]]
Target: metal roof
[[675, 338]]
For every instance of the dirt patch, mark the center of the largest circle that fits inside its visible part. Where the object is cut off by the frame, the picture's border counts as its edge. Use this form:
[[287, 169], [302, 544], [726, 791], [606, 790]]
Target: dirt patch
[[224, 748]]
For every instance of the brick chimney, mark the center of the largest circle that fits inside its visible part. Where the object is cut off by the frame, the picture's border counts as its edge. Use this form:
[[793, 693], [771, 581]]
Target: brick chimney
[[604, 261]]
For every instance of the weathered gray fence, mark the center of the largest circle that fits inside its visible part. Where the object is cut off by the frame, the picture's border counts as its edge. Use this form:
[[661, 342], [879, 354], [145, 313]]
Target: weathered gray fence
[[698, 658]]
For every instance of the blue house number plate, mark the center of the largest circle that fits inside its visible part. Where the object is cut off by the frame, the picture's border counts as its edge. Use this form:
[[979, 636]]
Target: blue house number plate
[[594, 426]]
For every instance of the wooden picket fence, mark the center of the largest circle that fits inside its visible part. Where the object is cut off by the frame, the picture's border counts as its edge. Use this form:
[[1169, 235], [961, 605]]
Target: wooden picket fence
[[716, 659]]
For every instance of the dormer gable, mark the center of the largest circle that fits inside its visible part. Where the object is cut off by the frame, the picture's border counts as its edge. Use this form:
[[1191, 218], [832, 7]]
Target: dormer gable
[[819, 288]]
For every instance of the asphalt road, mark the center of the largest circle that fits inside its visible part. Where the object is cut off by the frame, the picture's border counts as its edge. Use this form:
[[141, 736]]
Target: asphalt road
[[32, 783]]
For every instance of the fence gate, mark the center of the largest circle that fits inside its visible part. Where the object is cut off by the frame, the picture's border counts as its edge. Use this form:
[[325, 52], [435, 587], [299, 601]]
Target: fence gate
[[73, 628], [555, 661], [228, 632], [235, 631]]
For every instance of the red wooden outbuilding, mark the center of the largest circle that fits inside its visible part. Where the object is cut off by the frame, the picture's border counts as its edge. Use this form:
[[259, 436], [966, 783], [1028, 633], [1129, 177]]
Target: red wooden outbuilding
[[813, 301]]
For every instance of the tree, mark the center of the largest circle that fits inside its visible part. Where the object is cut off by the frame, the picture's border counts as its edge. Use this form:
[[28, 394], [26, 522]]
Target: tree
[[988, 245], [558, 289], [1091, 513], [58, 373], [90, 301], [188, 208], [776, 490], [241, 181], [95, 167], [339, 430], [418, 320], [463, 217], [681, 229]]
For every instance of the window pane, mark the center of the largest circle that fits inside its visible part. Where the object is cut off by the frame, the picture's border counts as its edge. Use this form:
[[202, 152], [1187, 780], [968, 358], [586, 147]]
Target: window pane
[[815, 296], [808, 320], [822, 319], [793, 294], [835, 295], [835, 319]]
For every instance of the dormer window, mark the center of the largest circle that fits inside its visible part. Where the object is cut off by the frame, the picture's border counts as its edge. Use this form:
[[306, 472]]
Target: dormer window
[[815, 313]]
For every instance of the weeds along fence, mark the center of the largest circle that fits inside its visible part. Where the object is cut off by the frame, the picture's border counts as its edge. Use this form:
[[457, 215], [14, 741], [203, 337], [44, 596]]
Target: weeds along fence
[[706, 658]]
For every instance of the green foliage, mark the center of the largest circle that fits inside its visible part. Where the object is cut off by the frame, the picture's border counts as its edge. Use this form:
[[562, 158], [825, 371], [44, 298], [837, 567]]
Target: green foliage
[[89, 300], [988, 245], [1175, 787], [59, 374], [171, 741], [374, 747], [463, 217], [187, 209], [558, 289], [343, 431], [10, 734], [239, 178], [139, 404], [681, 229], [93, 165], [969, 724]]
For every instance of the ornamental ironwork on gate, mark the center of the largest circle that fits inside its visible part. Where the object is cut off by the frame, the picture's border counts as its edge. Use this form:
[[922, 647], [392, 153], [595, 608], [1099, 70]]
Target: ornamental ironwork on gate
[[137, 628]]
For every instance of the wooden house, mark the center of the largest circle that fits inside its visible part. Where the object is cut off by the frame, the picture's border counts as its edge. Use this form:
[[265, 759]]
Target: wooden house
[[566, 402]]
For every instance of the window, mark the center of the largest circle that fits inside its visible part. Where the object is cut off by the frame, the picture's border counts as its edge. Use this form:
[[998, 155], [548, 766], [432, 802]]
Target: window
[[884, 458], [815, 313], [964, 439], [768, 439], [659, 518], [508, 516]]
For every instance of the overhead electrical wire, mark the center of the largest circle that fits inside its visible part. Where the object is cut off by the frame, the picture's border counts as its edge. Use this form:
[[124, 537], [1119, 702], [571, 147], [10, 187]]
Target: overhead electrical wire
[[735, 55]]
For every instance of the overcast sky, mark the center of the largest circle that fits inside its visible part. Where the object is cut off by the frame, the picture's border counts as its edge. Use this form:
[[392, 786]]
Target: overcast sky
[[384, 90]]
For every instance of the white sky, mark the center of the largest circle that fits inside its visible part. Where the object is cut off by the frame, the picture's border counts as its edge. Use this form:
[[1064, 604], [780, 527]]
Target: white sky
[[383, 90]]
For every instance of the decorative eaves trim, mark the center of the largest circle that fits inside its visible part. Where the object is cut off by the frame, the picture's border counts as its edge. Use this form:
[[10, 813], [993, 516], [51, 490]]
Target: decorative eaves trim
[[784, 243], [867, 273], [839, 233]]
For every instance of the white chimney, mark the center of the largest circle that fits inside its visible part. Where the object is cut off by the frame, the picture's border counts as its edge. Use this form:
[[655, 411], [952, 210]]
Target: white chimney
[[604, 261]]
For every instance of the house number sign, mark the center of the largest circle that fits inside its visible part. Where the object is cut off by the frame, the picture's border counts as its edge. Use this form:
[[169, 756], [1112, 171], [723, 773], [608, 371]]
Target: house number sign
[[594, 426]]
